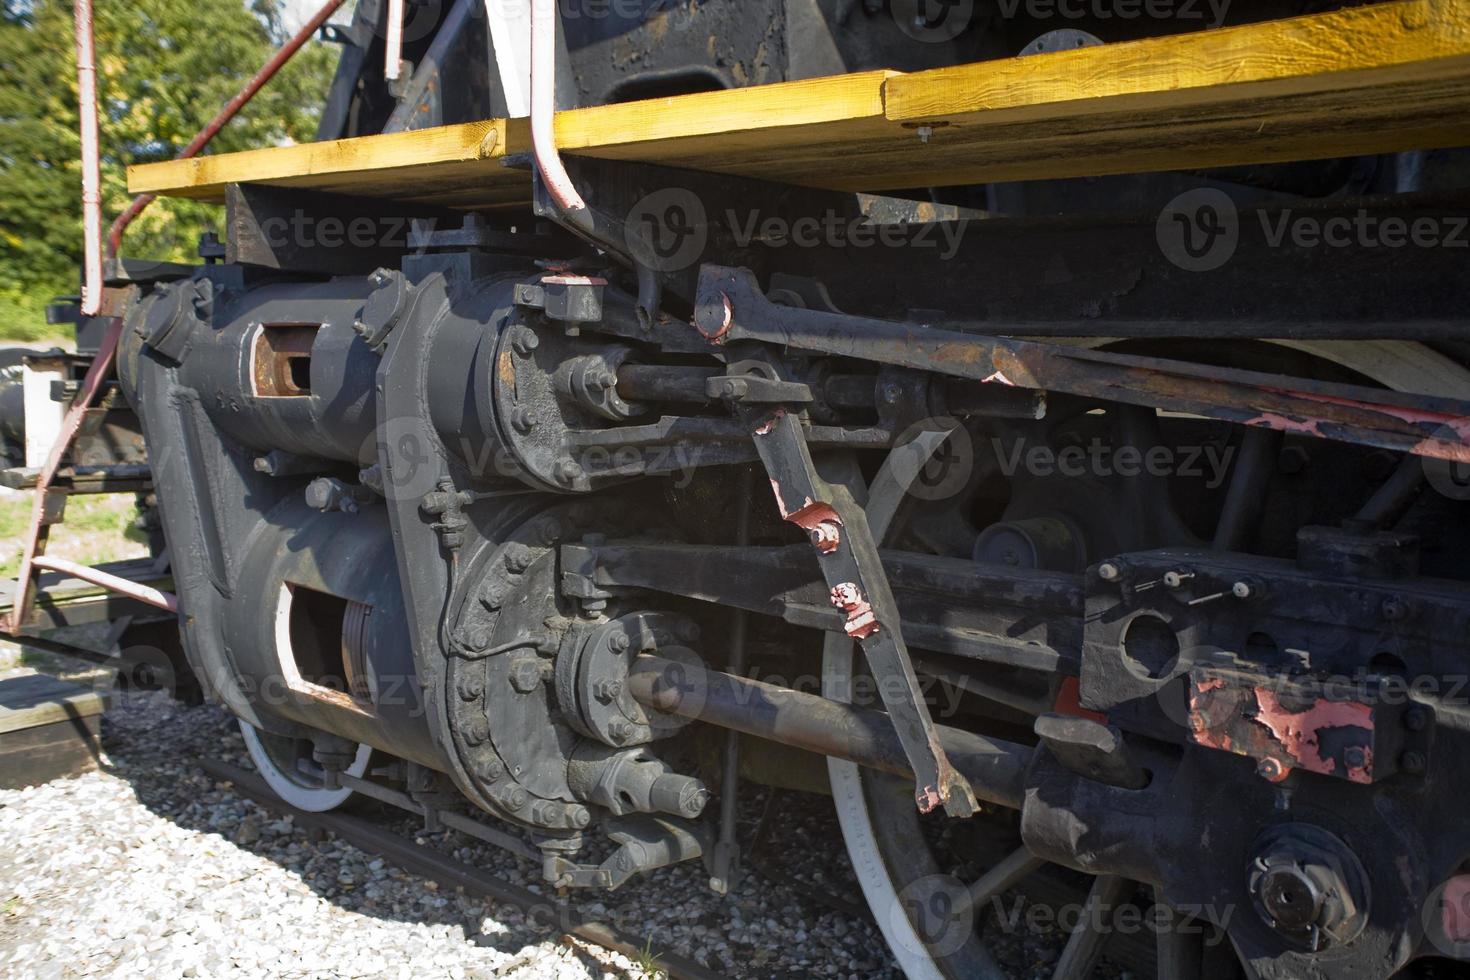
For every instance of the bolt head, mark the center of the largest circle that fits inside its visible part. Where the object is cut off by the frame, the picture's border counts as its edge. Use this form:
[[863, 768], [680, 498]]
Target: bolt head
[[1416, 719], [525, 676], [620, 731], [1413, 763], [525, 342], [1270, 770], [1109, 572], [1291, 897], [620, 642], [1242, 590], [476, 638]]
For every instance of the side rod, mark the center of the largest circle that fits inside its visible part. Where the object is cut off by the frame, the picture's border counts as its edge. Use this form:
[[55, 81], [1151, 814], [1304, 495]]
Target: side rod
[[732, 308]]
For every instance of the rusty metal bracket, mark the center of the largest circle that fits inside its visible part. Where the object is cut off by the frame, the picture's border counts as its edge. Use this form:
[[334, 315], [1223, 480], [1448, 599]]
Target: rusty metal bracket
[[851, 566], [732, 308]]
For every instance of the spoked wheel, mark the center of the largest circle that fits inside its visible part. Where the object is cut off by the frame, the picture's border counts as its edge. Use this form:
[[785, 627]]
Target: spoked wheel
[[930, 918], [288, 768]]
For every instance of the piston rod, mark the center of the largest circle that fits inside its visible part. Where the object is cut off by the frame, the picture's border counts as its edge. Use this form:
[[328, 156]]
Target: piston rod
[[996, 770]]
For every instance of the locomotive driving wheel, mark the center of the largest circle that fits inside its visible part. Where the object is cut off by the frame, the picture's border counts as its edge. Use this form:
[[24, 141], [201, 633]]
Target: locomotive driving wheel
[[933, 920]]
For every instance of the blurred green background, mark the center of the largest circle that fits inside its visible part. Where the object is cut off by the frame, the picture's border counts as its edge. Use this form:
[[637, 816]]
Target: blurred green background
[[165, 68]]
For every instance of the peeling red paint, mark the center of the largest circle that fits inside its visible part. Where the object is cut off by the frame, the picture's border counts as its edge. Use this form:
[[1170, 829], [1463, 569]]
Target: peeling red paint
[[821, 523], [1281, 423], [729, 320], [1299, 732], [787, 512], [861, 623], [1069, 701], [769, 425], [999, 378], [929, 799]]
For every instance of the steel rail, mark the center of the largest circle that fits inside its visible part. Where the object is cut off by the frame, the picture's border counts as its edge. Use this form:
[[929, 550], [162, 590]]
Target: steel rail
[[428, 863]]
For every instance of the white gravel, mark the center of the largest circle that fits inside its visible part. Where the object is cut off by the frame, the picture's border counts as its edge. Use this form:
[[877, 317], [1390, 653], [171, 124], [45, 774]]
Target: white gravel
[[150, 868]]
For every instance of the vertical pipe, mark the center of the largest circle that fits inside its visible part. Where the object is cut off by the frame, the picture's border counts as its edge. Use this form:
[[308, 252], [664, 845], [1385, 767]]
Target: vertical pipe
[[726, 855], [543, 109], [91, 159], [394, 46]]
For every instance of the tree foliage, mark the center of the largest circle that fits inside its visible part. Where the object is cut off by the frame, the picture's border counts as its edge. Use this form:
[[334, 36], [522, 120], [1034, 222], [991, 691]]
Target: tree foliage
[[165, 68]]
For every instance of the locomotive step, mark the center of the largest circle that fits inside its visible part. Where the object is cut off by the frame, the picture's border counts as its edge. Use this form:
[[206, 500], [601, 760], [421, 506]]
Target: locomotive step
[[1373, 79]]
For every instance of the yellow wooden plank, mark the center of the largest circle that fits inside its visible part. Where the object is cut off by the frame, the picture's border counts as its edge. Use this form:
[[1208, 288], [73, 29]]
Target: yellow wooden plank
[[1381, 78], [1388, 41], [407, 157]]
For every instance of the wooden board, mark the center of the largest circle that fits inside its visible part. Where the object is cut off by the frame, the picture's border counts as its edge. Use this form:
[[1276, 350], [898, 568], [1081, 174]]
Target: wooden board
[[1382, 78], [33, 700]]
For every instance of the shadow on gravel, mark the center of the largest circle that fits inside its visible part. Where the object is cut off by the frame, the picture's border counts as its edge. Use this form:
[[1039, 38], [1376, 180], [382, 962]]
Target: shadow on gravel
[[764, 928]]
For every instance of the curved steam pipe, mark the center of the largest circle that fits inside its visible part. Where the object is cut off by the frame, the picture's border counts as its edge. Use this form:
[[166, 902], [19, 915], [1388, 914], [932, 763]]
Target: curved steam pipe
[[543, 109]]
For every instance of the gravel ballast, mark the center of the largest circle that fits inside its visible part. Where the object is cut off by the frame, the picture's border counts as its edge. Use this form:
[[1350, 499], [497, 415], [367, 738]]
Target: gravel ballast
[[151, 868]]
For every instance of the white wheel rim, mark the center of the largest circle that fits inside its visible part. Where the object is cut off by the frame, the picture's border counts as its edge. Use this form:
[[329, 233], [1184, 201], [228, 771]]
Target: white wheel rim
[[290, 787]]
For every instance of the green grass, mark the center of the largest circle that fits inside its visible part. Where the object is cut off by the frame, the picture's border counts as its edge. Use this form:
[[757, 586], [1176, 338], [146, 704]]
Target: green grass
[[23, 319], [97, 529], [648, 963]]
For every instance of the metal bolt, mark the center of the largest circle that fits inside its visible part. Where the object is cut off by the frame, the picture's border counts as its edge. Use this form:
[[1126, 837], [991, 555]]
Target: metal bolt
[[521, 419], [492, 771], [475, 638], [925, 133], [620, 642], [892, 392], [607, 691], [1270, 770], [1177, 578], [1395, 609], [525, 342], [826, 536], [1414, 763], [1109, 572], [518, 558], [515, 799], [525, 676], [1243, 590], [567, 471], [1355, 757], [620, 731], [470, 686], [579, 816], [550, 531], [1416, 719]]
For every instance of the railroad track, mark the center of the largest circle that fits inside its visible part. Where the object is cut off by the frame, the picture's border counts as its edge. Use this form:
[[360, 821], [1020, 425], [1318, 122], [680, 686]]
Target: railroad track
[[428, 863]]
